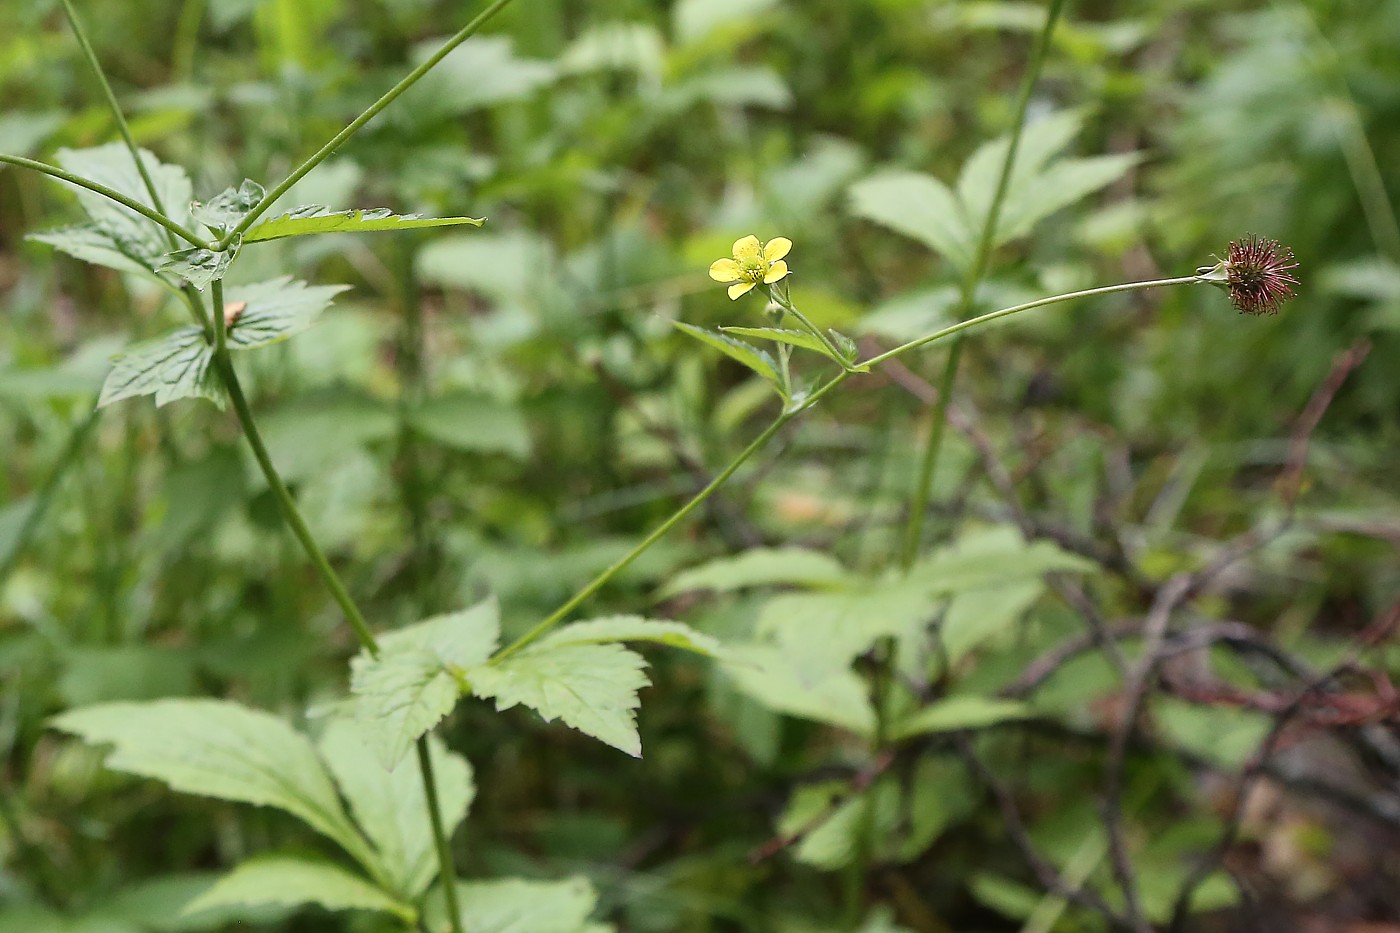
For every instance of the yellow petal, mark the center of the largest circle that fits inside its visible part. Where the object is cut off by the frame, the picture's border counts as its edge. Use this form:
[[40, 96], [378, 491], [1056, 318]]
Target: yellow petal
[[725, 270], [747, 249], [776, 248], [776, 271], [739, 288]]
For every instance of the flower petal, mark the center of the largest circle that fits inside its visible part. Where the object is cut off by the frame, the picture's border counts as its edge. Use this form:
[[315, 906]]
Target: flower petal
[[739, 288], [776, 248], [725, 270], [747, 249], [776, 271]]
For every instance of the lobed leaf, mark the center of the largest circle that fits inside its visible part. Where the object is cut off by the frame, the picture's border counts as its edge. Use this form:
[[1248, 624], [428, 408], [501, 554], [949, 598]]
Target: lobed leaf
[[91, 243], [277, 309], [412, 684], [781, 682], [589, 687], [223, 211], [918, 206], [197, 265], [219, 749], [390, 807], [171, 367]]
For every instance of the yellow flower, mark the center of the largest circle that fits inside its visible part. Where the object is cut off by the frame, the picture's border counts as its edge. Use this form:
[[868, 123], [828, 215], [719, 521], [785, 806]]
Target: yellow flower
[[753, 262]]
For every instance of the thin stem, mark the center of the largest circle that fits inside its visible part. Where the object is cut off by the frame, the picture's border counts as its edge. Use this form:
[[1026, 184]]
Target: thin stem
[[354, 126], [444, 852], [923, 486], [96, 65], [598, 582], [217, 315], [971, 280], [287, 505], [109, 193], [1016, 309], [786, 304]]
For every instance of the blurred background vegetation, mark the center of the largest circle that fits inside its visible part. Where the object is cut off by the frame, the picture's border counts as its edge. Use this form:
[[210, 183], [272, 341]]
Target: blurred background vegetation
[[617, 149]]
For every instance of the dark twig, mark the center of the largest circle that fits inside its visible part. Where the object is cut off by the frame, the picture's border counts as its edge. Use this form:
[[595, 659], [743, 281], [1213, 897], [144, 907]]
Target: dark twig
[[1290, 483]]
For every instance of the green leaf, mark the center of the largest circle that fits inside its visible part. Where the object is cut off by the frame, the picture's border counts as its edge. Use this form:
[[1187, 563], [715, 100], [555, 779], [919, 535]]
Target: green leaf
[[171, 367], [113, 166], [781, 682], [475, 423], [993, 556], [276, 309], [197, 265], [91, 243], [918, 206], [592, 688], [157, 905], [1041, 140], [960, 712], [412, 684], [219, 749], [515, 905], [760, 567], [830, 629], [976, 616], [1059, 186], [752, 357], [317, 218], [285, 879], [635, 628], [796, 338], [390, 807], [223, 211]]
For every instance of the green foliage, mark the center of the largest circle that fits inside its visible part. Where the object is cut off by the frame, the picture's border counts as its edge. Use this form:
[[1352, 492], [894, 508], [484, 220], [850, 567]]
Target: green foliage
[[317, 218], [516, 904], [280, 879]]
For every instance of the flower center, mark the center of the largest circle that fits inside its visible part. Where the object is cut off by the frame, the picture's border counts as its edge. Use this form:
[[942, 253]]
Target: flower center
[[754, 270]]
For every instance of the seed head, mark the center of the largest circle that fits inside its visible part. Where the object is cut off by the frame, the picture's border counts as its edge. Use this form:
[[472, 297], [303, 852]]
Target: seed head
[[1257, 276]]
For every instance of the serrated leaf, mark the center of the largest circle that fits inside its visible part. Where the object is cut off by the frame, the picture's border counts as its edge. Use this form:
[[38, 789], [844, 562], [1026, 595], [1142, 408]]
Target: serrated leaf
[[390, 807], [197, 265], [960, 712], [219, 749], [291, 880], [113, 166], [591, 688], [749, 356], [781, 682], [91, 243], [918, 206], [993, 556], [515, 905], [277, 309], [760, 567], [171, 367], [317, 218], [796, 338], [635, 628], [412, 684], [1041, 140], [222, 212]]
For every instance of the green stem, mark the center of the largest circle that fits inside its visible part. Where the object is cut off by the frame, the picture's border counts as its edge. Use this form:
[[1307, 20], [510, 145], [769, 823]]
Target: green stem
[[109, 193], [598, 582], [186, 40], [971, 280], [1016, 309], [288, 507], [122, 127], [216, 313], [786, 304], [354, 126], [444, 852]]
